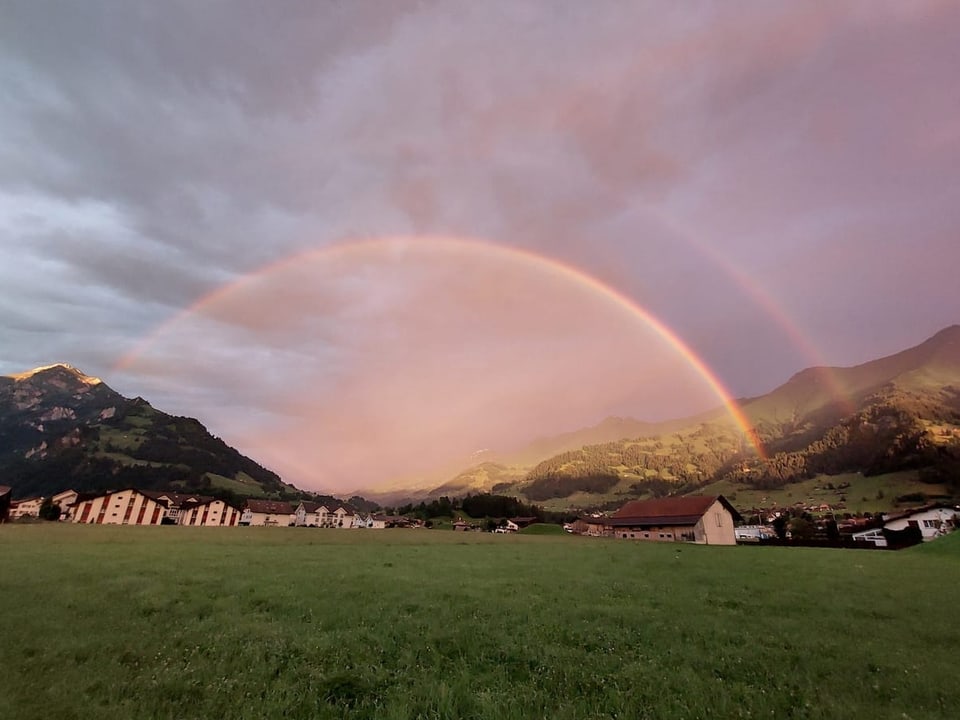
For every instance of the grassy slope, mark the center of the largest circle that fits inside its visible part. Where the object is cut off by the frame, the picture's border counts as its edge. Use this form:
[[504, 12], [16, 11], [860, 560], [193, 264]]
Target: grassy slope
[[864, 494], [296, 623], [243, 485]]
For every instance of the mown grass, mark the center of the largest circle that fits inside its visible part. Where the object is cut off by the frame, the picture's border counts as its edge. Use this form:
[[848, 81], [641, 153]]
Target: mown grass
[[177, 622]]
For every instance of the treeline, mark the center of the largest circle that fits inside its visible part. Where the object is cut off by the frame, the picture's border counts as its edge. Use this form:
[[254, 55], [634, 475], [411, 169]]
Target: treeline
[[881, 439], [185, 441], [683, 460], [476, 507]]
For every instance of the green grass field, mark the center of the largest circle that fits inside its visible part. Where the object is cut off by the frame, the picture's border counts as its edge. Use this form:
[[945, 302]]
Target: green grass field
[[174, 622]]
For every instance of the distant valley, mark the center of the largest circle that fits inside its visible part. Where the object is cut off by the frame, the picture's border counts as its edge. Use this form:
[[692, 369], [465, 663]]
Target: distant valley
[[876, 432], [897, 417]]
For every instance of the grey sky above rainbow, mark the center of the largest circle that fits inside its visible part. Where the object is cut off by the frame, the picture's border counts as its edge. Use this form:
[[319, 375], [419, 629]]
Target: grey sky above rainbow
[[362, 240]]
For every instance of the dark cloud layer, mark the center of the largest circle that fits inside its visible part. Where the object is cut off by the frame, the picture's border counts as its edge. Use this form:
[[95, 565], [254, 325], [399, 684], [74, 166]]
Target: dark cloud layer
[[778, 182]]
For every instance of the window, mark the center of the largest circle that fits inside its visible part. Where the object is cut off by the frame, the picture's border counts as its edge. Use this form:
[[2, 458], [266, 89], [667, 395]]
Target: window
[[719, 519]]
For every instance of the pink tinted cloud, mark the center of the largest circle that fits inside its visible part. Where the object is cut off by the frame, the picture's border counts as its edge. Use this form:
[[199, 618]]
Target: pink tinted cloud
[[462, 348]]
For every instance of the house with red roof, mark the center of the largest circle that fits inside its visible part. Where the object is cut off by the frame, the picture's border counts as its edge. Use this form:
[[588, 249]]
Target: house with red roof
[[268, 512], [176, 503], [122, 507], [703, 519], [27, 507], [210, 512]]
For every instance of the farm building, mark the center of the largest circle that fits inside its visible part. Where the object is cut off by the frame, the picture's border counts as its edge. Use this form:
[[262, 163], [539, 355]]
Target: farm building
[[708, 520]]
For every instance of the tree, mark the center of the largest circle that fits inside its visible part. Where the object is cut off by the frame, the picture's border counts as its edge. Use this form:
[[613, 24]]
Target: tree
[[802, 529], [780, 526], [49, 510]]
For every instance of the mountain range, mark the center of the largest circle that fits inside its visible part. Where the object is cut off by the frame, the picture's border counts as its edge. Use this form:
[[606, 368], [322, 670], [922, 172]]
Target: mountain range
[[896, 413], [60, 428]]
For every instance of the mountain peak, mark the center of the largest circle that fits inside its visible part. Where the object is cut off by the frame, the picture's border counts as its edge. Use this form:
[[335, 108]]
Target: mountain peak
[[44, 369]]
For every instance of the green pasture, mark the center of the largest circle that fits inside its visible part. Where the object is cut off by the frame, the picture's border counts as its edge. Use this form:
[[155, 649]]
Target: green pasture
[[173, 622], [856, 492], [243, 484]]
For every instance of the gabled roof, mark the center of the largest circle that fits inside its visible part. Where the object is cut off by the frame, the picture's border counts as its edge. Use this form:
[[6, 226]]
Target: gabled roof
[[4, 490], [207, 501], [669, 510], [310, 506], [270, 507], [82, 497], [158, 497]]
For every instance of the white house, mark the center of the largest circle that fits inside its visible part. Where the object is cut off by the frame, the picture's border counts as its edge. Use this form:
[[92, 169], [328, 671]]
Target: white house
[[371, 521], [310, 514], [210, 512], [175, 503], [874, 536], [932, 520], [28, 507], [65, 500], [123, 507]]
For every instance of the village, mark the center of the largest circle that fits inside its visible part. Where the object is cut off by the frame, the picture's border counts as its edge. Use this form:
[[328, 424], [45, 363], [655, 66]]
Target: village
[[704, 520]]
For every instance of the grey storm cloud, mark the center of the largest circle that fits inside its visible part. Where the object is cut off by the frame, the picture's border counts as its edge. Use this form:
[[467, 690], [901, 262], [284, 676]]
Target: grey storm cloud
[[748, 171]]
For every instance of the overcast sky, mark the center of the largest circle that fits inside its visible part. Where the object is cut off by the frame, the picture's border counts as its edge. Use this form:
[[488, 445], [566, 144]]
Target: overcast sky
[[777, 183]]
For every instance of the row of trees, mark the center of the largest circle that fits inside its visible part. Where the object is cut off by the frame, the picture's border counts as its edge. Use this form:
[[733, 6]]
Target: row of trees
[[478, 506]]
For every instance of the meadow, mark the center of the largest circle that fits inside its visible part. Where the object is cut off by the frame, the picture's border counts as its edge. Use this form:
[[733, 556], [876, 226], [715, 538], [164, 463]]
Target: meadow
[[171, 622]]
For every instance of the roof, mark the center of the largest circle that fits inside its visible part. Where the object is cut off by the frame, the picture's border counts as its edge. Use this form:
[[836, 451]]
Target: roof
[[176, 499], [669, 510], [4, 489], [310, 506], [270, 507], [207, 501]]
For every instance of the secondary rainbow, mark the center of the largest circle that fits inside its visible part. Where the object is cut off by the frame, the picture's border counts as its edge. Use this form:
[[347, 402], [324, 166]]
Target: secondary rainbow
[[377, 247]]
